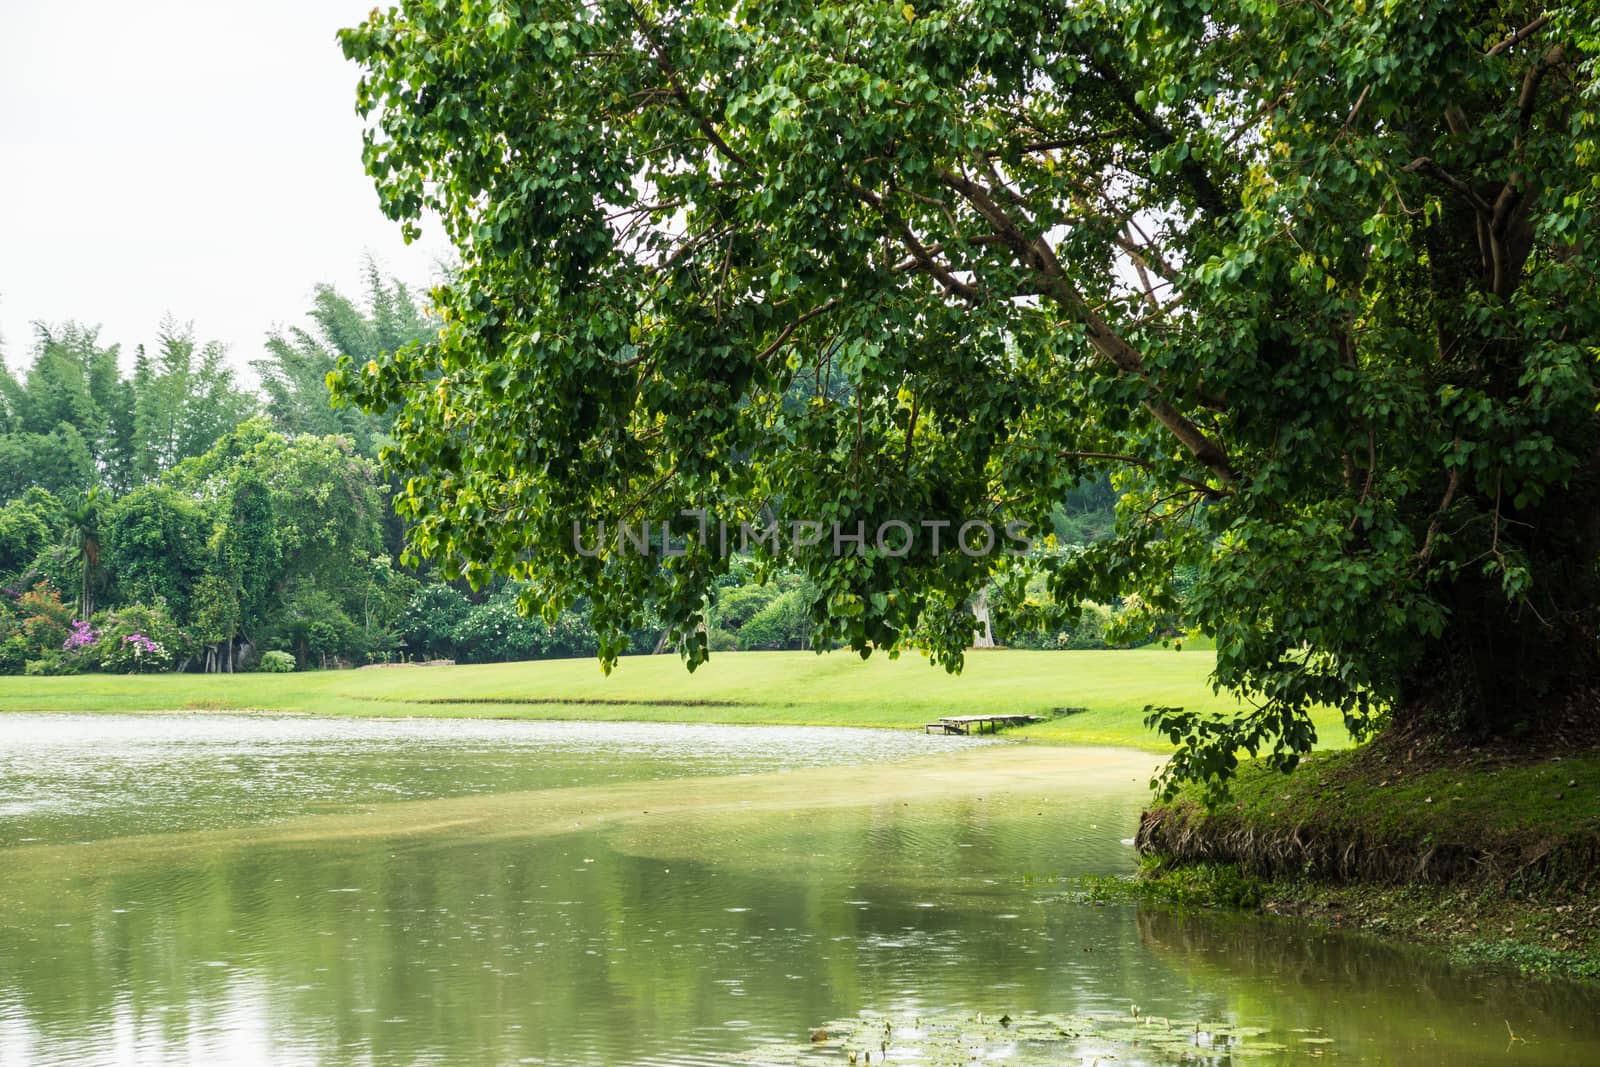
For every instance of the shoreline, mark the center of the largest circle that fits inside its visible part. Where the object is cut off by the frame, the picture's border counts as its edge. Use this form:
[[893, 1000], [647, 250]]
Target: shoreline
[[1493, 860], [768, 688]]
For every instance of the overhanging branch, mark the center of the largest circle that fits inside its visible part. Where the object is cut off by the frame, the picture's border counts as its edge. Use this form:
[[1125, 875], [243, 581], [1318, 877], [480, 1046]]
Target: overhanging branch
[[1211, 492], [1036, 253]]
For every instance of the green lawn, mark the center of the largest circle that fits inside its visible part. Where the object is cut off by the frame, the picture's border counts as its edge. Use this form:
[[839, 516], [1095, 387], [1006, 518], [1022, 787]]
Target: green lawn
[[748, 687]]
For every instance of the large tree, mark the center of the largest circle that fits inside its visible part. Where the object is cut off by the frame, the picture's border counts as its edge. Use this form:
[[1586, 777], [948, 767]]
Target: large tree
[[153, 542], [1318, 281], [65, 420], [288, 512], [72, 421], [184, 400], [295, 369]]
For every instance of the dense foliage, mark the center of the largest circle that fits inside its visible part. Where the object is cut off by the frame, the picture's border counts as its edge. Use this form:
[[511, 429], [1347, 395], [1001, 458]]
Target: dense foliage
[[1316, 280], [191, 542], [180, 528]]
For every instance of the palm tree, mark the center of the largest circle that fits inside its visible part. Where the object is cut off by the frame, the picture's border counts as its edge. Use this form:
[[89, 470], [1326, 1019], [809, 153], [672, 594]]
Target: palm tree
[[83, 532]]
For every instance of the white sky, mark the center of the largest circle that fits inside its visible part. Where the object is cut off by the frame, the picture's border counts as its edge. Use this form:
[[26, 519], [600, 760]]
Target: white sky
[[194, 157]]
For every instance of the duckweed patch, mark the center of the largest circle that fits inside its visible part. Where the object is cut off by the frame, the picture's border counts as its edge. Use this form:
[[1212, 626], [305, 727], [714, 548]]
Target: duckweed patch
[[1136, 1039]]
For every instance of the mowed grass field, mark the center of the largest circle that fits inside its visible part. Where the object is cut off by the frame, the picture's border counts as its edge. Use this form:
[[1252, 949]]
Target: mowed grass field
[[838, 689]]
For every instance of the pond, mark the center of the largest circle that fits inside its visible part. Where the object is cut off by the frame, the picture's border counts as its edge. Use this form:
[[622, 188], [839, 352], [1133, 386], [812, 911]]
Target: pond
[[250, 889]]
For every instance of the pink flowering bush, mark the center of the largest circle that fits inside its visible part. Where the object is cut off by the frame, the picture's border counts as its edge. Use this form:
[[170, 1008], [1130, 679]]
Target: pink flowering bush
[[145, 654], [80, 636], [139, 639], [80, 650]]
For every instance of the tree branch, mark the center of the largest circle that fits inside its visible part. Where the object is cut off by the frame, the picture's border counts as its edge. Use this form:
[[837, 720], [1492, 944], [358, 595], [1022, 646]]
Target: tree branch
[[924, 257], [1527, 31], [658, 50], [788, 331], [1211, 491], [1036, 253], [1206, 192], [1450, 488], [1426, 165], [1372, 473], [1530, 84]]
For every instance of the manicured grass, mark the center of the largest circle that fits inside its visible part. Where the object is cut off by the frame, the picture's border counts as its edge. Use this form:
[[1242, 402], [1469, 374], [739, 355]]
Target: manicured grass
[[838, 689]]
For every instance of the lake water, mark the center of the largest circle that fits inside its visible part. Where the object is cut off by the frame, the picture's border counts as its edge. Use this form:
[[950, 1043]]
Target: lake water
[[227, 889]]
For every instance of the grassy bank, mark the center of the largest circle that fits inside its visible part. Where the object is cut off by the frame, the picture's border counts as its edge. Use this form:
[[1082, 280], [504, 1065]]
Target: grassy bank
[[748, 687], [1496, 859]]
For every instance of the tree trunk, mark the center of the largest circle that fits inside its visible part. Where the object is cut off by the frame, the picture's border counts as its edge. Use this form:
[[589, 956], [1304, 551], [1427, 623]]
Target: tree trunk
[[1518, 669], [983, 636]]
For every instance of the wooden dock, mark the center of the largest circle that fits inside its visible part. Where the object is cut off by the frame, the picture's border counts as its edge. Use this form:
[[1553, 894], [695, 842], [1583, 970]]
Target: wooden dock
[[971, 724]]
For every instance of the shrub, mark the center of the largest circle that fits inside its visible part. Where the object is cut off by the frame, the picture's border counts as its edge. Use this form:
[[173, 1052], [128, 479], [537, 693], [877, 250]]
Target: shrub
[[82, 635], [138, 639], [56, 564], [276, 662], [1094, 620], [431, 619], [13, 654], [735, 607], [136, 653], [496, 631], [318, 627], [721, 641], [81, 646], [49, 664], [46, 620], [379, 645], [570, 636], [1087, 631], [784, 623]]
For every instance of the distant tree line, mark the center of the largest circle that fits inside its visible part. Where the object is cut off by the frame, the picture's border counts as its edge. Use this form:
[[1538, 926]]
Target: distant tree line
[[173, 519]]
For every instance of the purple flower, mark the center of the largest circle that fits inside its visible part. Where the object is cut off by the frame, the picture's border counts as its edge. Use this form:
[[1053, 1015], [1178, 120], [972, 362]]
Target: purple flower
[[142, 644], [82, 636]]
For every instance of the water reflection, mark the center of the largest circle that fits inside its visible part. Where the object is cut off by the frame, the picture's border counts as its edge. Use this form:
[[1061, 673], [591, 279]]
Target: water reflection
[[1377, 1002], [674, 922]]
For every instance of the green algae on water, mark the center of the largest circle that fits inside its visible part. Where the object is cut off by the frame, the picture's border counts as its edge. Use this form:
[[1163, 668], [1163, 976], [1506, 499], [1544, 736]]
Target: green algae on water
[[1029, 1039]]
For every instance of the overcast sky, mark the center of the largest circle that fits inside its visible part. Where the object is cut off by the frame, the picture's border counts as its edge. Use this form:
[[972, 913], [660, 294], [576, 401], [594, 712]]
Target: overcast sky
[[194, 157]]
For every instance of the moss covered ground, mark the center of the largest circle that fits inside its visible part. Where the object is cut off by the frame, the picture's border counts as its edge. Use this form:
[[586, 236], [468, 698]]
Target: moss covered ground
[[1495, 857]]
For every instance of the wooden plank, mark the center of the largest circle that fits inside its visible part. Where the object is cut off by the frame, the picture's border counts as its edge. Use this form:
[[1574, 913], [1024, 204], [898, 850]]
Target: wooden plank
[[965, 724]]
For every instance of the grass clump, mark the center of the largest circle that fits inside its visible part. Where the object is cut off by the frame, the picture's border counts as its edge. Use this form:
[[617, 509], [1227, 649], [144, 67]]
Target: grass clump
[[1185, 886]]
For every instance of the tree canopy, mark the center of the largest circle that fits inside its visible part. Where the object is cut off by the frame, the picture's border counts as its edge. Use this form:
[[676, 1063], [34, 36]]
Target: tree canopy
[[295, 370], [1317, 282], [154, 521], [72, 420]]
